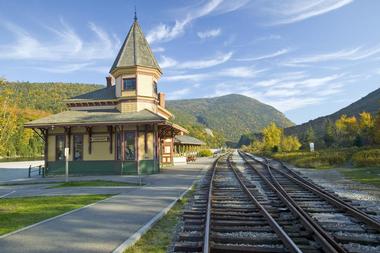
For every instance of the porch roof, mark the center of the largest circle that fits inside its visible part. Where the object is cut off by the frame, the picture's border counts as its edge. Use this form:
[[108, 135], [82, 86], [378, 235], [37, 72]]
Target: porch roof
[[95, 117], [189, 140]]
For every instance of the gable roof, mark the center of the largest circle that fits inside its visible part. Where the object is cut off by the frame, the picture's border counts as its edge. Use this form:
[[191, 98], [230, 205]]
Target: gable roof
[[106, 93], [185, 139], [95, 117], [135, 51]]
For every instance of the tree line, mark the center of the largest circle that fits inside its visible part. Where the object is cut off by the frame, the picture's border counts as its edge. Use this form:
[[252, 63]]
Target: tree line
[[346, 131], [21, 102]]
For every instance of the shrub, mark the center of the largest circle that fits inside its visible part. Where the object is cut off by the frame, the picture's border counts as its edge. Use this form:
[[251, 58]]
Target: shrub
[[311, 162], [367, 158], [205, 153]]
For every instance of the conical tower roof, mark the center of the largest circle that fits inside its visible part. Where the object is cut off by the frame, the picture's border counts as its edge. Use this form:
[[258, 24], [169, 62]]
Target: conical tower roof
[[135, 51]]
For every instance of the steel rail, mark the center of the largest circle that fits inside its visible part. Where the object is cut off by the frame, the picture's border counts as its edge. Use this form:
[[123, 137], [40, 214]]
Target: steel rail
[[288, 242], [330, 198], [327, 242], [206, 237]]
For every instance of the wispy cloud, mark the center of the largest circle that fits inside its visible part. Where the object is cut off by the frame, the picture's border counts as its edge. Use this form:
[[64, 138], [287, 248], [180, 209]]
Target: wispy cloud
[[185, 77], [266, 56], [206, 63], [291, 11], [353, 54], [288, 91], [158, 49], [209, 33], [163, 32], [64, 68], [167, 62], [177, 94], [239, 72], [64, 44]]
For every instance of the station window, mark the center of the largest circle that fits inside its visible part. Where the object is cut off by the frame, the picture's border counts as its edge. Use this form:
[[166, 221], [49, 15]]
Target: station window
[[130, 145], [78, 147], [129, 84], [60, 147], [126, 146], [155, 88]]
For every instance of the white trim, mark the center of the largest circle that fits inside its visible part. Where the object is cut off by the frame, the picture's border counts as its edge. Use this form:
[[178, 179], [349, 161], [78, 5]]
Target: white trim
[[53, 218]]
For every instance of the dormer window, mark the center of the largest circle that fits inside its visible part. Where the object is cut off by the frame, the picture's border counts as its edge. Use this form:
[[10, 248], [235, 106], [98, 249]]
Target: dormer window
[[129, 84]]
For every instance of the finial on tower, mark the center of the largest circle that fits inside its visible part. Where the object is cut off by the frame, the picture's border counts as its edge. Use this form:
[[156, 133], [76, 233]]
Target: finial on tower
[[135, 14]]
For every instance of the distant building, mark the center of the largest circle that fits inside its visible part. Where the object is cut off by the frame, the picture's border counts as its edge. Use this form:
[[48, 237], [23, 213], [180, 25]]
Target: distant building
[[123, 128]]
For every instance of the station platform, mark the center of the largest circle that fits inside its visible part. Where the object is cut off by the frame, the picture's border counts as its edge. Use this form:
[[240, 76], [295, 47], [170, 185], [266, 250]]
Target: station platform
[[105, 225]]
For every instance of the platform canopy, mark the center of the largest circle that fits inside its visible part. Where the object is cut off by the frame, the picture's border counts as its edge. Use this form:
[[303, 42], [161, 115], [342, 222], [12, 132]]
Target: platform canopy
[[188, 140], [96, 117]]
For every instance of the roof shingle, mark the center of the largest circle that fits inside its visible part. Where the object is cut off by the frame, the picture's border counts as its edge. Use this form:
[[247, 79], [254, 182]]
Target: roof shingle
[[135, 51], [106, 93], [185, 139], [69, 118]]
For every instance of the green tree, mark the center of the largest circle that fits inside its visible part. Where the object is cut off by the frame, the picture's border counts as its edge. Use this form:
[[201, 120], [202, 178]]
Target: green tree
[[310, 135], [376, 129], [329, 136]]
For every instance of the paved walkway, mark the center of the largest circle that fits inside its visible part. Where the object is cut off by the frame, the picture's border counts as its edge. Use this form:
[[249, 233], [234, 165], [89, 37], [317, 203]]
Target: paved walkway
[[14, 171], [104, 226]]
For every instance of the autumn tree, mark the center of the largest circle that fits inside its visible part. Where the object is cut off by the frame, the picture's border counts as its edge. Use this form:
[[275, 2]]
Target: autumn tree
[[366, 125], [290, 143], [347, 129], [272, 137], [8, 117]]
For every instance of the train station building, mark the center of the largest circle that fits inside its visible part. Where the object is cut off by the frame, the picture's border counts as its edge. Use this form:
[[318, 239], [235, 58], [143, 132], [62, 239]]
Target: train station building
[[123, 128]]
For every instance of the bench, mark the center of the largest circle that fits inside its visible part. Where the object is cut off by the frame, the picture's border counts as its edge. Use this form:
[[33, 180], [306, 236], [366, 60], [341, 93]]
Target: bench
[[191, 159]]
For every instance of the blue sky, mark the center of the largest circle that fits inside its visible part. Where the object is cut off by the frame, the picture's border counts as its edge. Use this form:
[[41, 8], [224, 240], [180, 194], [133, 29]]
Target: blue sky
[[307, 58]]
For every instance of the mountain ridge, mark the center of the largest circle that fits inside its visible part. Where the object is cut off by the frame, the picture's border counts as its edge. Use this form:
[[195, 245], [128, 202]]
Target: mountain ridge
[[369, 103], [243, 114]]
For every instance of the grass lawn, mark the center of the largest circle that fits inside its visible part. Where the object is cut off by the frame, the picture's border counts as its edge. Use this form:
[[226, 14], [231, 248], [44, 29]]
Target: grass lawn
[[159, 237], [369, 175], [94, 183], [16, 213]]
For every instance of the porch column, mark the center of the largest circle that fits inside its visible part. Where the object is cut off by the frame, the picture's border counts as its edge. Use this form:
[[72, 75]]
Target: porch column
[[45, 133], [155, 148]]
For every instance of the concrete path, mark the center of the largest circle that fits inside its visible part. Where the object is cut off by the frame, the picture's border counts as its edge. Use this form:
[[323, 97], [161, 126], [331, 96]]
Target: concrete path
[[13, 171], [104, 226]]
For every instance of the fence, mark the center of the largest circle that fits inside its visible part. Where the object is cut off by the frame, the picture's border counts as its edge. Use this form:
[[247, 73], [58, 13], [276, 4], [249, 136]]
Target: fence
[[37, 170]]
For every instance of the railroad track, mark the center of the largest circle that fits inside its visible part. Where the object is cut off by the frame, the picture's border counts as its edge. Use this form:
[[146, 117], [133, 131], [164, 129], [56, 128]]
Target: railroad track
[[346, 227], [252, 207]]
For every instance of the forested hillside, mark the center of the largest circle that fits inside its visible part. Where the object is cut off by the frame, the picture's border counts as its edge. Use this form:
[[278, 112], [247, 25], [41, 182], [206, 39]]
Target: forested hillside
[[232, 115], [47, 96], [21, 102], [369, 103]]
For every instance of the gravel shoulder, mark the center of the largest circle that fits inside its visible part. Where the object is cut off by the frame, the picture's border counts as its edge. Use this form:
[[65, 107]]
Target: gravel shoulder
[[332, 179]]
